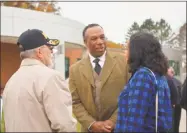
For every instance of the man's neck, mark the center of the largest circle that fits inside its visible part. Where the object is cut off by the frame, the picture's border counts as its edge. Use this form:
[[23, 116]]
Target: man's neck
[[94, 56]]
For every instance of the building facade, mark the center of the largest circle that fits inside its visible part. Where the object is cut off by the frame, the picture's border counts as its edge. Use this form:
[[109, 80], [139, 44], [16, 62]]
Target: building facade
[[174, 56], [14, 21]]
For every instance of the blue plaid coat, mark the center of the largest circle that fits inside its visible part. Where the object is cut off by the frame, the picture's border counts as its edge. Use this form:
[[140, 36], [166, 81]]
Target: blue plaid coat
[[136, 111]]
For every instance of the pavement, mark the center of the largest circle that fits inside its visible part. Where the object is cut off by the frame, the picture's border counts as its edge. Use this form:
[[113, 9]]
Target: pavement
[[183, 123]]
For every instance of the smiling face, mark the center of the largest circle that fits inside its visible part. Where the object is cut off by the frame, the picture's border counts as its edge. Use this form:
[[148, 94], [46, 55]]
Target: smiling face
[[95, 41]]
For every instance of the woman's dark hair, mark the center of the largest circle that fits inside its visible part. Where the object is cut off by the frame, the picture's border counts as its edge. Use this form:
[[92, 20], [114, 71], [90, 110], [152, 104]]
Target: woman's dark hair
[[145, 51]]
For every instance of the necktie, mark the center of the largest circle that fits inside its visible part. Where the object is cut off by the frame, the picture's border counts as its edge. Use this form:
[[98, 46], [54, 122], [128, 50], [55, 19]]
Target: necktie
[[97, 66]]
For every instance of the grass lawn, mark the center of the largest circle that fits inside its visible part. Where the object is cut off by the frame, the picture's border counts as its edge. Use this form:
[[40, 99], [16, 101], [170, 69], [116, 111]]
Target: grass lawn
[[78, 127], [2, 125]]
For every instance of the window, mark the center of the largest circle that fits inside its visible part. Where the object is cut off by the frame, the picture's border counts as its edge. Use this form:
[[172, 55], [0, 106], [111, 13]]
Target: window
[[67, 64]]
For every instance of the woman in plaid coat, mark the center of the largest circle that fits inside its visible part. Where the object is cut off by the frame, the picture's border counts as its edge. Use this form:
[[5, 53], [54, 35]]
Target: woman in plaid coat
[[137, 102]]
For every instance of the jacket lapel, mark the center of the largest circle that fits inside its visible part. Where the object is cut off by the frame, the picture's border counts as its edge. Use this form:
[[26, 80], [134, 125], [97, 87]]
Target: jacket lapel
[[87, 71], [107, 68]]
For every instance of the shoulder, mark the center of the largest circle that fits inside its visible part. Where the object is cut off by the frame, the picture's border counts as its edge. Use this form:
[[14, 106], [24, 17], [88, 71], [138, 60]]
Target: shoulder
[[143, 75], [177, 82], [48, 73], [143, 72], [54, 78], [141, 80], [54, 81], [76, 65], [117, 55], [119, 58]]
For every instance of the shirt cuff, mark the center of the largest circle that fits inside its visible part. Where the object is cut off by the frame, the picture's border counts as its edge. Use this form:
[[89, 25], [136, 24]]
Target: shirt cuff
[[90, 126]]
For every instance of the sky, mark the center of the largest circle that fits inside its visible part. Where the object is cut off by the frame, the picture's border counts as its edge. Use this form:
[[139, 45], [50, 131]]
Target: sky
[[117, 17]]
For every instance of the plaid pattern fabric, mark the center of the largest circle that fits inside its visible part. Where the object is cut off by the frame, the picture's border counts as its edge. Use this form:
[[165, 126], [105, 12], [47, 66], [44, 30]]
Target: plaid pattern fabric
[[136, 104]]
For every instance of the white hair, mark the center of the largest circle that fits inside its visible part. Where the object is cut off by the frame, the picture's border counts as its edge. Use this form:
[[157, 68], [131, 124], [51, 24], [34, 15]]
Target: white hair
[[28, 53]]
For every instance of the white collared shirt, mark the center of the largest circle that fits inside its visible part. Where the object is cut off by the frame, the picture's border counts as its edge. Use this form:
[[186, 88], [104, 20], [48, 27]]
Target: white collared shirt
[[101, 62]]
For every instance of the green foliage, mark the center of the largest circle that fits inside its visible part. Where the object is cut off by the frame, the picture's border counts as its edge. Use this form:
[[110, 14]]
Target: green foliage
[[182, 34], [161, 29], [133, 29], [2, 129], [148, 25], [78, 127]]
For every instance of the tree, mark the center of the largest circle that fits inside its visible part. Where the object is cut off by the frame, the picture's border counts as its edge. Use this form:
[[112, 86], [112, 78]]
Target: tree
[[182, 35], [149, 26], [178, 39], [133, 29], [160, 29], [182, 44], [43, 6], [163, 30]]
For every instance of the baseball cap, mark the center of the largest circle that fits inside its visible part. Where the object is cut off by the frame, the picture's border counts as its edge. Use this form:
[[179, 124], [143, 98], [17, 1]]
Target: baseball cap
[[34, 38]]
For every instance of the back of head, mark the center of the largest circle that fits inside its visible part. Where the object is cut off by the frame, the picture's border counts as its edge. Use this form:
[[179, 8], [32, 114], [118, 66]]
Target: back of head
[[145, 50], [33, 43]]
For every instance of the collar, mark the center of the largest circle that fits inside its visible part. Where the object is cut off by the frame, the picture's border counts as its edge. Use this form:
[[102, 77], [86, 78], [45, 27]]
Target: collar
[[102, 58], [31, 62]]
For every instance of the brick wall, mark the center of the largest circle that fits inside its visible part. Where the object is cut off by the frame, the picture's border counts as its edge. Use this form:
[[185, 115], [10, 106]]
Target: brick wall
[[10, 61], [73, 54]]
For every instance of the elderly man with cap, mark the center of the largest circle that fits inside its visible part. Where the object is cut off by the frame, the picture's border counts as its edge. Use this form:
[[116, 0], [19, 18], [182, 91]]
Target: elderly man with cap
[[36, 98]]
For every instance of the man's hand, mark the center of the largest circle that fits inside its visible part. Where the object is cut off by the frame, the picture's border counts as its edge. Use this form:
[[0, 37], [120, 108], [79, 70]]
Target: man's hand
[[109, 125], [99, 126]]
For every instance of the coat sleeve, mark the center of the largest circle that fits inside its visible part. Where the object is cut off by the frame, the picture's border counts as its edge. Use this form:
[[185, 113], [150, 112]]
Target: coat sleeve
[[127, 76], [58, 105], [79, 111], [183, 98], [173, 91]]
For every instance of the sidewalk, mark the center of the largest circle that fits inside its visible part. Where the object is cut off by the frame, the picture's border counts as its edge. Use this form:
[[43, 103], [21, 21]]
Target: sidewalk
[[183, 123]]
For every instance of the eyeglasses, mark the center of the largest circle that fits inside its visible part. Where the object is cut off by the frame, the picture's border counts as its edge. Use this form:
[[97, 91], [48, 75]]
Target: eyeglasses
[[50, 47]]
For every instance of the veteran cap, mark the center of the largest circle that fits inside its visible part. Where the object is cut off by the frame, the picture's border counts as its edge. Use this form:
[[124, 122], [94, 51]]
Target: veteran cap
[[34, 38]]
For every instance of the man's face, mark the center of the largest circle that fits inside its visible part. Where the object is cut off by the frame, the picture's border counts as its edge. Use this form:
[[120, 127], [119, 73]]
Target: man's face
[[45, 54], [170, 72], [95, 41]]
